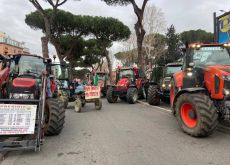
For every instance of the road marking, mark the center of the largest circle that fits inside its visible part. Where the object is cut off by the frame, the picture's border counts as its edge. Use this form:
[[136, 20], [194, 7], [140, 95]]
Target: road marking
[[164, 109]]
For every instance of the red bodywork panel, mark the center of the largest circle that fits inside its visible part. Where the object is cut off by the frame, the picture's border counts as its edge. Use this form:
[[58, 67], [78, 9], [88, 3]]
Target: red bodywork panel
[[178, 78], [139, 83], [24, 82], [123, 82], [209, 78], [53, 86]]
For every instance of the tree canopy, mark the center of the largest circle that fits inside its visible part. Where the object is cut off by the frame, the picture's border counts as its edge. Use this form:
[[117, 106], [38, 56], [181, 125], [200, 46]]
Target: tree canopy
[[173, 52], [197, 36], [68, 28]]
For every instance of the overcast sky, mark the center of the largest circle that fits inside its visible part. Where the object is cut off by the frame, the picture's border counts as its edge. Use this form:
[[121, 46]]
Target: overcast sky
[[184, 14]]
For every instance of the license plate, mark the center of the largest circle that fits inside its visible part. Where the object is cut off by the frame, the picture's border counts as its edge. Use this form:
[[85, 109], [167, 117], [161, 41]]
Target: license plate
[[16, 119]]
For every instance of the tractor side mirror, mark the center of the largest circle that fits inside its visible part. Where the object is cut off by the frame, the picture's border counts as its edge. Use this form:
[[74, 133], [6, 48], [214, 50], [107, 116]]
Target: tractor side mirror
[[191, 64]]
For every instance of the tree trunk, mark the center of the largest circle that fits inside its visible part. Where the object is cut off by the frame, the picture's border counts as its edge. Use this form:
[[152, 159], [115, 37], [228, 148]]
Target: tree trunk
[[109, 64], [57, 47], [45, 49], [140, 32], [71, 70]]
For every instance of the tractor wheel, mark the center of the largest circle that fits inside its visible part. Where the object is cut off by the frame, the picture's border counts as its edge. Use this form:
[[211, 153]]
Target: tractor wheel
[[132, 95], [153, 96], [77, 105], [98, 104], [110, 97], [54, 117], [196, 114]]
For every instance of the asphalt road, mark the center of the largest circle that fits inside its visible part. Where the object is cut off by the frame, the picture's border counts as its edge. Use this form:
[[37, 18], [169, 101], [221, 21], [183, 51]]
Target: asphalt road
[[123, 134]]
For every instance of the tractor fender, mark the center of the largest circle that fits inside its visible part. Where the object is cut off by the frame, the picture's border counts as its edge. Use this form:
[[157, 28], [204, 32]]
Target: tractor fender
[[187, 90]]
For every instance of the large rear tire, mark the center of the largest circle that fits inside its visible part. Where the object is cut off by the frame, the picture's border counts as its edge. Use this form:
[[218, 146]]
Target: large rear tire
[[132, 95], [110, 97], [153, 96], [54, 117], [196, 114]]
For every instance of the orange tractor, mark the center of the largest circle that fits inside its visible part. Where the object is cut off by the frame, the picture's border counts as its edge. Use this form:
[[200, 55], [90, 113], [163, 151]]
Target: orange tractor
[[129, 86], [200, 93]]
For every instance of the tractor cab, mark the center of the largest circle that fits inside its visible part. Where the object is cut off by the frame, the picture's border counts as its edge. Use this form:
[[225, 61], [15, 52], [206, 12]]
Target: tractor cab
[[201, 91], [202, 58], [25, 76], [129, 73]]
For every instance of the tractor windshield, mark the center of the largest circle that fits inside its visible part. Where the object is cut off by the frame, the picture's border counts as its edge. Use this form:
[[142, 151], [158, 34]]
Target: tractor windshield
[[60, 71], [170, 70], [211, 56], [27, 65], [126, 74]]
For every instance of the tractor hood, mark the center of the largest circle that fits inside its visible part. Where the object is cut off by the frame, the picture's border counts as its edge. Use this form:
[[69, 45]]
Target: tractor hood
[[219, 69], [23, 83], [123, 82]]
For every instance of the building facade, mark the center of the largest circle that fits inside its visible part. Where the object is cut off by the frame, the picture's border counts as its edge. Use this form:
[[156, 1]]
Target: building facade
[[11, 46]]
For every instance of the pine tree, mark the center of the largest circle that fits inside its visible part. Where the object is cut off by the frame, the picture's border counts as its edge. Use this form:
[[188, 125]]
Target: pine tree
[[173, 42]]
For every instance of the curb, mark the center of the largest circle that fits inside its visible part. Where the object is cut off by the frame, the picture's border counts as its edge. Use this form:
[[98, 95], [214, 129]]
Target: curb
[[222, 127]]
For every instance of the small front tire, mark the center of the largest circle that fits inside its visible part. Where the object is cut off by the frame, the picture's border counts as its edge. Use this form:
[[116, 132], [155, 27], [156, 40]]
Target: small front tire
[[132, 95]]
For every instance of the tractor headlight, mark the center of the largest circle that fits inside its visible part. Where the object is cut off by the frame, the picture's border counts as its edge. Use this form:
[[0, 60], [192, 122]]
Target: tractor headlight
[[225, 77], [22, 95], [226, 92], [163, 85], [169, 85], [189, 74]]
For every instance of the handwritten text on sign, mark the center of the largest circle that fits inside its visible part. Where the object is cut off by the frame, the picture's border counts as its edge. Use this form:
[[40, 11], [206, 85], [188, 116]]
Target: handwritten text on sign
[[92, 92], [17, 119]]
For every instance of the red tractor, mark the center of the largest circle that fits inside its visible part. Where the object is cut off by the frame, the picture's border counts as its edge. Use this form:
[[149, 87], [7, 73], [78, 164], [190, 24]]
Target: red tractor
[[129, 86], [29, 107], [200, 93]]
